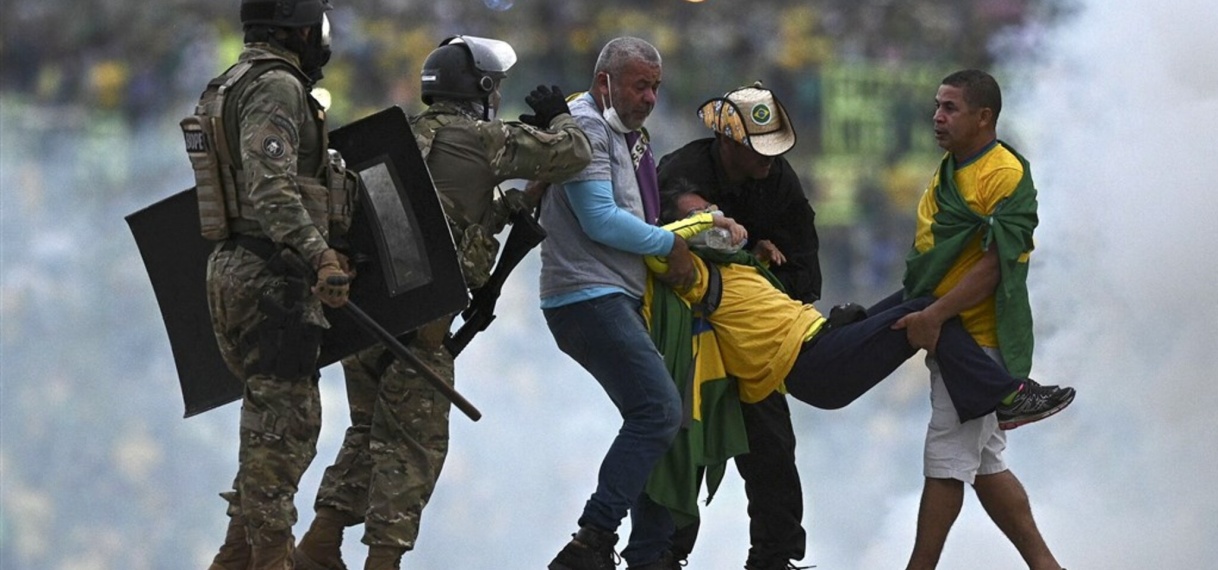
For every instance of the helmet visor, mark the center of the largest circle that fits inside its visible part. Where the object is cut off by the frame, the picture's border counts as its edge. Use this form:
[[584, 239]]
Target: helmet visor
[[490, 56], [325, 31]]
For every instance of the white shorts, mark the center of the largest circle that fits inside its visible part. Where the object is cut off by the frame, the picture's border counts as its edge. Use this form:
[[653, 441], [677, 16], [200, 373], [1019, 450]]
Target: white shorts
[[957, 450]]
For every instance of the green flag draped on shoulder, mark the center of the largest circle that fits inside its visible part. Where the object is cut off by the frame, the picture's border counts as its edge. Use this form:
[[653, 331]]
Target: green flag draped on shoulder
[[713, 428], [1009, 229]]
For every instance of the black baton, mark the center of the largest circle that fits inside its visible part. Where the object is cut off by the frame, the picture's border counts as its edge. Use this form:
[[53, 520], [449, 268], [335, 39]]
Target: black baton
[[369, 324]]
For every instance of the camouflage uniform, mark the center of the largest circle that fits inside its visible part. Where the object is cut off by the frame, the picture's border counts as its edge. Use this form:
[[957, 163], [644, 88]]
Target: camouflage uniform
[[282, 156], [393, 452]]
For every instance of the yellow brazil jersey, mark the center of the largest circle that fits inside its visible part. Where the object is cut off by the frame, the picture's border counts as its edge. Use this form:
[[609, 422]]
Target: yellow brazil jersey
[[983, 181], [760, 330]]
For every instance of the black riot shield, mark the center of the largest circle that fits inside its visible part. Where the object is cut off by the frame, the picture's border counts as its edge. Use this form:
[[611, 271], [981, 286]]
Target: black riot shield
[[175, 256], [408, 272], [412, 275]]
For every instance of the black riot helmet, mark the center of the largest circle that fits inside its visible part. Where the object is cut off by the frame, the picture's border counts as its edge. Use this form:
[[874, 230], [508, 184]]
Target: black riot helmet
[[260, 17], [283, 13], [466, 68]]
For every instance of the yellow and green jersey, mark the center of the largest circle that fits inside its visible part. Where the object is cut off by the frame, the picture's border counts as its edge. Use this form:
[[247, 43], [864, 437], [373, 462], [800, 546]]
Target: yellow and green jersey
[[984, 202], [758, 352]]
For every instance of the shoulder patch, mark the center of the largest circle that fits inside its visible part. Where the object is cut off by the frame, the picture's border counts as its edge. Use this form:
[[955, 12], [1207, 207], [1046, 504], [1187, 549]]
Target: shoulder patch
[[273, 146]]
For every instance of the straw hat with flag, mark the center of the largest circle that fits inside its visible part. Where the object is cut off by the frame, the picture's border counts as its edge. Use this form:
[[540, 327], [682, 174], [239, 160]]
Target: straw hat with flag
[[751, 116]]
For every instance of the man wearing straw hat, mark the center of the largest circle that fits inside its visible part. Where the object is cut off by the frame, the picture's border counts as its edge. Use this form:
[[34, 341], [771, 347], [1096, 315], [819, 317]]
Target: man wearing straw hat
[[741, 169]]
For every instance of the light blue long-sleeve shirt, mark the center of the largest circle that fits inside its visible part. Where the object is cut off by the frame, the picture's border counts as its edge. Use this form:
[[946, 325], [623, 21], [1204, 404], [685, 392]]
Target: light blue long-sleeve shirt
[[605, 222]]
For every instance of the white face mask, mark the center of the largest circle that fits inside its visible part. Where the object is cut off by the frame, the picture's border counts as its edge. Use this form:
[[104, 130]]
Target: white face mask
[[610, 113]]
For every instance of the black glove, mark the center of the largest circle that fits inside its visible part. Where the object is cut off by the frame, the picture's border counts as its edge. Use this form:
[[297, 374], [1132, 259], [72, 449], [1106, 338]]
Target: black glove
[[547, 103], [517, 201]]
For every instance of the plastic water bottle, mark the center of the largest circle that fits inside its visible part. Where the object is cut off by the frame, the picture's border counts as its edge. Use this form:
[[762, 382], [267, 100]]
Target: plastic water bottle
[[719, 238]]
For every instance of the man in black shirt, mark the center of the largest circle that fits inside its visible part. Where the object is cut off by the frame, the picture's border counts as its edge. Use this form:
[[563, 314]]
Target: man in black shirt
[[742, 171]]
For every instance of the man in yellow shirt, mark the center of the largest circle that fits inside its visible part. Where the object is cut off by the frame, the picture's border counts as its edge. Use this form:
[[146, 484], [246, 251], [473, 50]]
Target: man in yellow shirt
[[971, 250]]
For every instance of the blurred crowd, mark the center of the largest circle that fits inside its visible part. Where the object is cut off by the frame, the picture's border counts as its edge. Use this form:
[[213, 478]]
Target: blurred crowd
[[90, 97], [856, 76]]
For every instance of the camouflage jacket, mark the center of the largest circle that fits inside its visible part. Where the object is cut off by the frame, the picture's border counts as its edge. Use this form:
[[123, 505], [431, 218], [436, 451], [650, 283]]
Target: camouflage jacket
[[469, 157], [282, 135]]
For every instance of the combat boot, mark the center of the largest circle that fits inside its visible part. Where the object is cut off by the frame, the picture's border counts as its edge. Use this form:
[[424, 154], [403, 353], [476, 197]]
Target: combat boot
[[235, 552], [274, 554], [590, 549], [384, 558], [667, 561], [321, 547]]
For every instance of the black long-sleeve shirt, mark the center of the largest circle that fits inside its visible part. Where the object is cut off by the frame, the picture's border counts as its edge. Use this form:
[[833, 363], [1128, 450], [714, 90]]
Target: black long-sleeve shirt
[[773, 209]]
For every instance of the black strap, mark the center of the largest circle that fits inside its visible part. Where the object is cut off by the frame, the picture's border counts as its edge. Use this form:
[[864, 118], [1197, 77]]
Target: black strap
[[714, 291], [262, 247], [258, 10]]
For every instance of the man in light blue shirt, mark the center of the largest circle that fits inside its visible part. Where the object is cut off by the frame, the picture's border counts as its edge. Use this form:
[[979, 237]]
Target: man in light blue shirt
[[600, 225]]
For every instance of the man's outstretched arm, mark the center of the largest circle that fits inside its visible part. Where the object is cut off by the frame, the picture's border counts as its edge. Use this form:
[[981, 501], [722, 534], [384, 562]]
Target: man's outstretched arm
[[977, 285]]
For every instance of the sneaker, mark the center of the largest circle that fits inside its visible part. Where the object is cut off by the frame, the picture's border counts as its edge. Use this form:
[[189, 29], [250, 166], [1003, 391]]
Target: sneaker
[[589, 549], [1036, 384], [1033, 403]]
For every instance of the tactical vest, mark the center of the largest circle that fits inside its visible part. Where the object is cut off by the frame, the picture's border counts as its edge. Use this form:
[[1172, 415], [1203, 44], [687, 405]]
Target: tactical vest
[[213, 144]]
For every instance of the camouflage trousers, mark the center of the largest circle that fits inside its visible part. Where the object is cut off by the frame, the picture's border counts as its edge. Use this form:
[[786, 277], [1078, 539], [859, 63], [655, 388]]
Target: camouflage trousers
[[280, 414], [392, 454]]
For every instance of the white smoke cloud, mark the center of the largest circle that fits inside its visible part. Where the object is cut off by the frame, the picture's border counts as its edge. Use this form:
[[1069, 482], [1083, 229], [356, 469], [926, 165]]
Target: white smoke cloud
[[1119, 124], [1118, 119]]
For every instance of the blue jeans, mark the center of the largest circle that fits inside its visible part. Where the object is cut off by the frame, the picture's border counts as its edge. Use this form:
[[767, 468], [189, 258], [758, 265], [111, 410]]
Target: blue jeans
[[607, 336]]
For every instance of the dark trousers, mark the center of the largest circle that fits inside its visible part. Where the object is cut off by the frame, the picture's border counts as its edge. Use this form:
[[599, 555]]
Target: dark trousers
[[843, 363], [771, 483]]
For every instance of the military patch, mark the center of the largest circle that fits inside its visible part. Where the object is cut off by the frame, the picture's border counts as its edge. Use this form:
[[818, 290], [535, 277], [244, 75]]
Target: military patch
[[196, 140], [285, 126], [762, 114], [273, 146]]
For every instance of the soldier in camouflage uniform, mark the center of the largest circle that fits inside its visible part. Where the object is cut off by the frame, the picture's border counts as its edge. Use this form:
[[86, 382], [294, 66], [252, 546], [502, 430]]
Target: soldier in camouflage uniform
[[268, 189], [394, 450]]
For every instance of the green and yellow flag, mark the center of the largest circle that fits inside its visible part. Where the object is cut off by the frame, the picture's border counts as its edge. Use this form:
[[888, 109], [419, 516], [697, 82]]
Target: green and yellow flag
[[1009, 228], [713, 430]]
